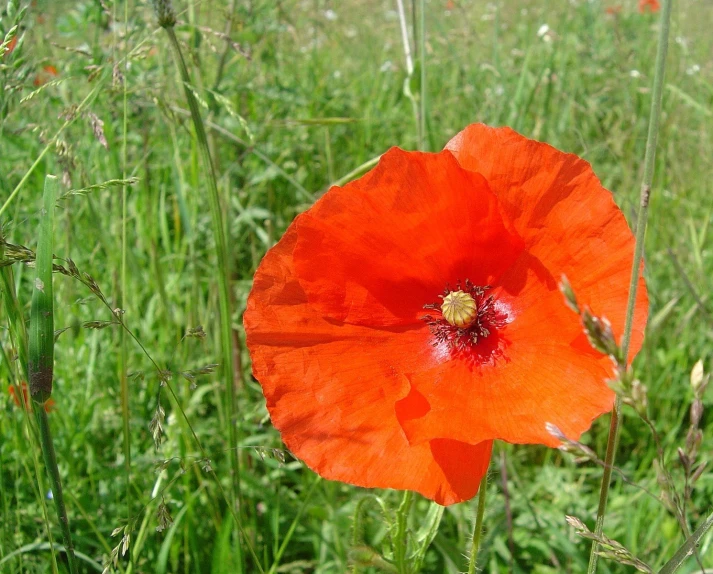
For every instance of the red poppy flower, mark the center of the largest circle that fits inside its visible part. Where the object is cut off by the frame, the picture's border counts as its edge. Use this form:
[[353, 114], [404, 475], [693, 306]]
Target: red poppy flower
[[10, 46], [45, 75], [49, 404], [651, 5], [413, 316]]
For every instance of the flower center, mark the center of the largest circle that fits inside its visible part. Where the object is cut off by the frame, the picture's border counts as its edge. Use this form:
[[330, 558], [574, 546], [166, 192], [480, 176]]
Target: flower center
[[459, 309], [466, 316]]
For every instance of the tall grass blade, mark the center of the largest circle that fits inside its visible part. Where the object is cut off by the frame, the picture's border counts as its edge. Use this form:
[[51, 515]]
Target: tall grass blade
[[166, 19], [688, 548], [40, 366], [650, 156]]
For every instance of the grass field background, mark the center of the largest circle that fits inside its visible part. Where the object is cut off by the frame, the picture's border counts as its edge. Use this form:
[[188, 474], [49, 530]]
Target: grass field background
[[308, 92]]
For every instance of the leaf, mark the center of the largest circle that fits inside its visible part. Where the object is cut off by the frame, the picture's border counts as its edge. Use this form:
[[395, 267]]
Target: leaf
[[687, 548]]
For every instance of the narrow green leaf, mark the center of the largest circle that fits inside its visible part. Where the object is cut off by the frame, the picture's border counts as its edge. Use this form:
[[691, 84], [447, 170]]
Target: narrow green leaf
[[688, 547], [41, 351]]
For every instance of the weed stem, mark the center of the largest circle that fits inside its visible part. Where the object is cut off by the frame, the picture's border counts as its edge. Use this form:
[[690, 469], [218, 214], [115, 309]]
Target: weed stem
[[642, 217], [478, 528], [223, 272]]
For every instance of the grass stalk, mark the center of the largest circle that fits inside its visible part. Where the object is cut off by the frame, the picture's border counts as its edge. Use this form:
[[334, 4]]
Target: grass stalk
[[649, 164], [123, 359], [51, 143], [422, 146], [167, 22], [18, 339], [41, 357], [478, 528], [688, 548]]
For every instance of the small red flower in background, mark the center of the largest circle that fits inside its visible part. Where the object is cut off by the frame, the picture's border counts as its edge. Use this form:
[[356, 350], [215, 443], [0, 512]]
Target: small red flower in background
[[652, 5], [45, 75], [49, 404], [613, 10], [10, 47], [412, 317]]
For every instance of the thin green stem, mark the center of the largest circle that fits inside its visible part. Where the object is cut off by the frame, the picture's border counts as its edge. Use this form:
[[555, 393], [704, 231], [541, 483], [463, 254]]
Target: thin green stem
[[400, 543], [293, 526], [422, 146], [51, 143], [688, 547], [18, 340], [50, 458], [357, 171], [478, 528], [123, 355], [223, 273], [649, 164], [224, 54]]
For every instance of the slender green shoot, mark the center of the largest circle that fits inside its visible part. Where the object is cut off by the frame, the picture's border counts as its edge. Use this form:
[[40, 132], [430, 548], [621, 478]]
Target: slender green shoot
[[357, 171], [51, 143], [688, 548], [649, 163], [167, 20], [400, 540], [422, 57], [18, 339], [293, 526], [123, 356], [478, 528], [41, 356]]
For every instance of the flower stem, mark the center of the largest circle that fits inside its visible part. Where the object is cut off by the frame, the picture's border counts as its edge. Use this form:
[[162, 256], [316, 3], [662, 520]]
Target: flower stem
[[422, 145], [123, 351], [400, 542], [478, 529], [649, 163], [223, 272], [50, 458]]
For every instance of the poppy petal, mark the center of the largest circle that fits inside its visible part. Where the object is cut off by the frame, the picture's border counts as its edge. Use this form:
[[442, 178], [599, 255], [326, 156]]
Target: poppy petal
[[567, 220], [333, 391], [361, 255]]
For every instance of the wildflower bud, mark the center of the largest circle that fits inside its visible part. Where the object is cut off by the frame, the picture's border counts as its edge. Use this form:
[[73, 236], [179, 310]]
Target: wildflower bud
[[600, 335], [617, 386], [698, 472], [694, 438], [364, 556], [577, 524], [569, 296], [685, 460], [555, 432], [699, 380], [696, 412], [639, 397], [164, 13], [583, 452], [459, 309]]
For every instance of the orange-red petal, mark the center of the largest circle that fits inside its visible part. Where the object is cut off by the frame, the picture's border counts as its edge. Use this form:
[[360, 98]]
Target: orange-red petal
[[540, 374], [567, 220], [332, 391], [546, 371], [377, 250]]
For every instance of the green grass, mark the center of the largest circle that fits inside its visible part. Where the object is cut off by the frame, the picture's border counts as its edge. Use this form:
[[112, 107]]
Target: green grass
[[316, 99]]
